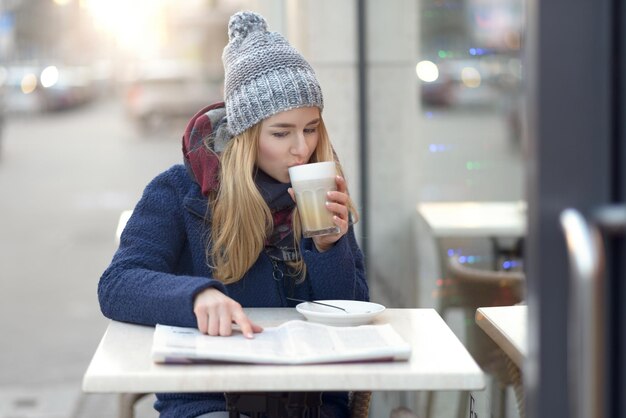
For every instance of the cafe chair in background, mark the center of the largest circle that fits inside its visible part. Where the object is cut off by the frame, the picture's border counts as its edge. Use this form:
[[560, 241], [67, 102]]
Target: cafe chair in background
[[468, 288], [121, 224], [126, 401]]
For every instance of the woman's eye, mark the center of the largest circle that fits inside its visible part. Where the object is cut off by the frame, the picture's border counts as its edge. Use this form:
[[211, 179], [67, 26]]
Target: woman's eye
[[280, 134], [310, 130]]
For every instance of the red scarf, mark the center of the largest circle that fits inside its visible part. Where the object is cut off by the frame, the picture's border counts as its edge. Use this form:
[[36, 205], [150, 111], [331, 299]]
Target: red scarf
[[203, 141]]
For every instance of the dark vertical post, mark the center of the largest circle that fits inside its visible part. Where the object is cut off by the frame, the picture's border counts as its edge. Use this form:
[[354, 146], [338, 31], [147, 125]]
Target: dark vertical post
[[616, 283], [568, 75], [362, 117]]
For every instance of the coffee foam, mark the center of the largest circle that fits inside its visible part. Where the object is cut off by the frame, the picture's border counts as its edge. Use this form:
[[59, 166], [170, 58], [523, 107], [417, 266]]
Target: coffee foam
[[326, 169]]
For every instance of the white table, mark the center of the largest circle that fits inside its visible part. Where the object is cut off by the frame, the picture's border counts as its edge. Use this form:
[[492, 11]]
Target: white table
[[503, 223], [439, 361], [507, 327], [475, 219]]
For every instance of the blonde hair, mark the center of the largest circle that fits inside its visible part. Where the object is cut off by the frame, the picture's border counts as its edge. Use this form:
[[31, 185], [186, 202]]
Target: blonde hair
[[240, 219]]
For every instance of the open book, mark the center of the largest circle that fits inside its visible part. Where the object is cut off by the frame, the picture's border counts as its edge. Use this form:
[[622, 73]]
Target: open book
[[294, 342]]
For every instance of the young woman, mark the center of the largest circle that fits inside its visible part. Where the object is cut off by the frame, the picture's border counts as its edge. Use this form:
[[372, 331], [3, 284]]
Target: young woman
[[221, 232]]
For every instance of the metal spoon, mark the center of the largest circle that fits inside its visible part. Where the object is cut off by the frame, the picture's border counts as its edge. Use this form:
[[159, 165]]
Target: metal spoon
[[318, 303]]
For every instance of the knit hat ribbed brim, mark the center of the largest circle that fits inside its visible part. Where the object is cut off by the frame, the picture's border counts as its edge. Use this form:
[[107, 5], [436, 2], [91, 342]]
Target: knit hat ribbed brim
[[264, 74]]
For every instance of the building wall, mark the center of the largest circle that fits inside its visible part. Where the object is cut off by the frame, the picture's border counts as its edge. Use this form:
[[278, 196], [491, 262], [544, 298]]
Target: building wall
[[392, 48]]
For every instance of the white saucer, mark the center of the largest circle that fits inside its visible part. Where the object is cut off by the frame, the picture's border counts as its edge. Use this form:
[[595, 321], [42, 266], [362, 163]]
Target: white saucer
[[359, 312]]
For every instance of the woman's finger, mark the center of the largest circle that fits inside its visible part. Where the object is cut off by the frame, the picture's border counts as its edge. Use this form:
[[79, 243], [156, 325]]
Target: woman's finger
[[338, 209], [248, 328], [226, 323], [341, 223], [341, 184], [214, 322], [202, 318], [338, 197]]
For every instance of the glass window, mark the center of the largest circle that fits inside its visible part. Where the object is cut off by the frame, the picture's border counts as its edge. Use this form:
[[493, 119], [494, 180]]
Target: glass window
[[470, 76]]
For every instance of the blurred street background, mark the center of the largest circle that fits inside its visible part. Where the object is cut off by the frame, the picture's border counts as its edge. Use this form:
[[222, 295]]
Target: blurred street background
[[95, 95], [64, 180]]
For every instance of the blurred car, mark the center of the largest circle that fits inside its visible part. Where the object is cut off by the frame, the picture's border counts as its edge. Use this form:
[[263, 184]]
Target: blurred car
[[465, 83], [73, 87], [439, 93], [162, 93], [30, 88]]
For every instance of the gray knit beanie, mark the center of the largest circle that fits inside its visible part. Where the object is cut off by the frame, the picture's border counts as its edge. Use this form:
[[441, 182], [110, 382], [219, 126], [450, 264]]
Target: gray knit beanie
[[264, 75]]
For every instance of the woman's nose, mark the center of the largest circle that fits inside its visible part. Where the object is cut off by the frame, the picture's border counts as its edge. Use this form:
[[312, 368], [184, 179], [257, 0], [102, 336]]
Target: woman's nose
[[300, 146]]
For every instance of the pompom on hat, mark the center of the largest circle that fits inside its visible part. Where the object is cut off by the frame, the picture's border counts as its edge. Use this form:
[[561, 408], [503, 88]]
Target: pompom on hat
[[264, 74]]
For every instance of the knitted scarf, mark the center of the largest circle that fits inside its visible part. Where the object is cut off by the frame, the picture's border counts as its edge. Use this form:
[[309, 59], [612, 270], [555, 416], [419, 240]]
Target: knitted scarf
[[204, 140], [279, 244]]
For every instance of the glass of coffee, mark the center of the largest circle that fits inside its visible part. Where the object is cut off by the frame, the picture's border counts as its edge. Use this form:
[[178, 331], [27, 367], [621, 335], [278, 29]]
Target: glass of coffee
[[310, 183]]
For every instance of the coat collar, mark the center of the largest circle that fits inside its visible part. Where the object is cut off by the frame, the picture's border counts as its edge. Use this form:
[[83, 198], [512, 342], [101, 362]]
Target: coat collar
[[195, 202]]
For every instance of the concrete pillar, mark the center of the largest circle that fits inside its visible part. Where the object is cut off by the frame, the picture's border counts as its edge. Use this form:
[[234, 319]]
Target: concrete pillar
[[394, 172], [393, 110]]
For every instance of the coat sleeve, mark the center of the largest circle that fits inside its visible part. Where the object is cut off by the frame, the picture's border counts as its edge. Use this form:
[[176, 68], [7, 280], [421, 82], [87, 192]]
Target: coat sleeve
[[141, 285], [338, 273]]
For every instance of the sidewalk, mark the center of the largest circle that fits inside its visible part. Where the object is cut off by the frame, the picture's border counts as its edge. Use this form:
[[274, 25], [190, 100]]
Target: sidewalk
[[65, 401], [106, 406]]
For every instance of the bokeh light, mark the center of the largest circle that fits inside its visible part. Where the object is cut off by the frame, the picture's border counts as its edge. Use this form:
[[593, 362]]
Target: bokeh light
[[427, 71], [49, 76], [29, 83], [470, 77]]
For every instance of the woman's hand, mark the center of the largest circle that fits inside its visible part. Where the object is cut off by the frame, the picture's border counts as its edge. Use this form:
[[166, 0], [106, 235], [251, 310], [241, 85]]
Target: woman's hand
[[337, 203], [215, 313]]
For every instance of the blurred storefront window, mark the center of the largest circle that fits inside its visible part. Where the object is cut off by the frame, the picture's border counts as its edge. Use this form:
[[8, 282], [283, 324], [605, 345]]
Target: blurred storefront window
[[469, 72]]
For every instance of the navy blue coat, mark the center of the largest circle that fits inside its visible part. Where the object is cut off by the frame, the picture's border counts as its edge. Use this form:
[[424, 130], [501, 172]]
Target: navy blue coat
[[161, 265]]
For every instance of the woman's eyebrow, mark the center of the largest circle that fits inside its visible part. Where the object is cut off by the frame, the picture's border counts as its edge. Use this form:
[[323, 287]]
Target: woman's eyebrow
[[282, 125], [291, 125]]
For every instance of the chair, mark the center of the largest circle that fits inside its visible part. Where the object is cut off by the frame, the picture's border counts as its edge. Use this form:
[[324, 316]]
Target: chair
[[256, 404], [126, 404], [290, 404], [121, 224], [469, 288], [360, 404]]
